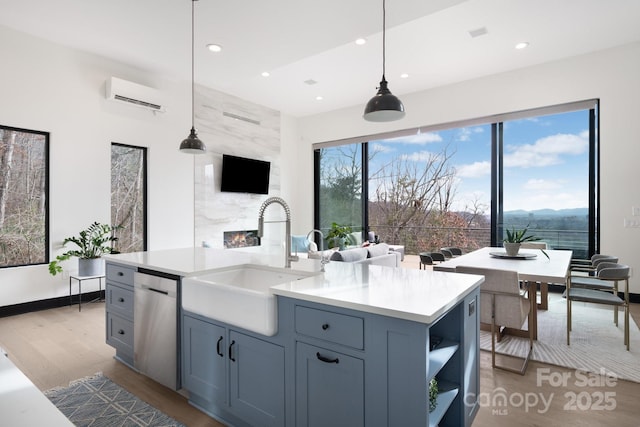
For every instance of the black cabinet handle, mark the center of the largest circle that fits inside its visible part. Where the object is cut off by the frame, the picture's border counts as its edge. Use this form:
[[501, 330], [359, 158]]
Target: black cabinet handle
[[326, 359], [121, 332], [220, 353], [325, 326], [230, 353], [120, 299], [120, 273]]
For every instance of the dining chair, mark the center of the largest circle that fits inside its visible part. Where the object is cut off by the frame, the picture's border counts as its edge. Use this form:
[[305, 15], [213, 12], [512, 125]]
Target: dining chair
[[589, 266], [601, 289], [502, 304]]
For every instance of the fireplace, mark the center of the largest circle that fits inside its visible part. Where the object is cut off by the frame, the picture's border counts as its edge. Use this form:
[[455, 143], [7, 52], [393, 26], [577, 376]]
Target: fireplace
[[241, 239]]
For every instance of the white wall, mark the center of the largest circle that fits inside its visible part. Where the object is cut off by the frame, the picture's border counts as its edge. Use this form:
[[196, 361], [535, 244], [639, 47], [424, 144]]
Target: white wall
[[611, 76], [49, 88]]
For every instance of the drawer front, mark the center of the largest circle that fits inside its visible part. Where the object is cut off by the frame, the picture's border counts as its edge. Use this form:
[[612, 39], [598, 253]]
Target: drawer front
[[120, 274], [119, 300], [120, 334], [333, 327]]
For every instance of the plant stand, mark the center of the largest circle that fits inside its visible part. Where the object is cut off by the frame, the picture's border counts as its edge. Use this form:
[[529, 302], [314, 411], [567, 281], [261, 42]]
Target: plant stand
[[79, 279]]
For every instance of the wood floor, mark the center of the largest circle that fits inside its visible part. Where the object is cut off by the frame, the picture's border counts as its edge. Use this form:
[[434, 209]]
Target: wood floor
[[54, 347]]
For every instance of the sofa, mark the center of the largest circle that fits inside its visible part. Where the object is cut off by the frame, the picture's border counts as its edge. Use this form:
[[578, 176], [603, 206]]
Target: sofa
[[373, 254]]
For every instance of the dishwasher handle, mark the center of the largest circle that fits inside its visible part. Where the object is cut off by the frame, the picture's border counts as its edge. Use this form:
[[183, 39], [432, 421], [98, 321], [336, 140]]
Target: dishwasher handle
[[158, 291]]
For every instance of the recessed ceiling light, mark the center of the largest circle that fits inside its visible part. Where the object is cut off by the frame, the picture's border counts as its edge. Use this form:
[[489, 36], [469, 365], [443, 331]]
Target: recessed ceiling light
[[361, 41], [522, 45], [404, 76], [319, 98], [214, 47], [265, 74]]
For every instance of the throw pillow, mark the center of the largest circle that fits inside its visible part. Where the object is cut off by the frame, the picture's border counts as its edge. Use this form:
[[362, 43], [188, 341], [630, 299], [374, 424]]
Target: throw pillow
[[378, 250], [350, 255], [299, 244]]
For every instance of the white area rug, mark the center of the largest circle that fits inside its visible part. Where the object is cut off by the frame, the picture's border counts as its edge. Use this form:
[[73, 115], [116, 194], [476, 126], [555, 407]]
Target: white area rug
[[596, 342]]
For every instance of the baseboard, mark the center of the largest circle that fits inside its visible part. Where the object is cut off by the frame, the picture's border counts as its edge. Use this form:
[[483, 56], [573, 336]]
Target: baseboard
[[633, 298], [28, 307]]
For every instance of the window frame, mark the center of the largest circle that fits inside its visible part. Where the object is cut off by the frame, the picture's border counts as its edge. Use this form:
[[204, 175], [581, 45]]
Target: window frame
[[46, 195], [497, 123]]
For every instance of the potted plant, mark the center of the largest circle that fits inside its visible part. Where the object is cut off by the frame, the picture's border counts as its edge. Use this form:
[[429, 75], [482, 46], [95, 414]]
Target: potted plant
[[515, 238], [92, 243], [338, 235]]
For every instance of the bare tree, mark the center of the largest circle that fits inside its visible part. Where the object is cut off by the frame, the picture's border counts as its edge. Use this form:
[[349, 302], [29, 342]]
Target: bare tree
[[410, 193]]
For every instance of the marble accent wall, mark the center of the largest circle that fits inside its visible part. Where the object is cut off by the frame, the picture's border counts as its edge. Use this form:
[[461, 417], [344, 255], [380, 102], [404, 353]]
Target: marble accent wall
[[230, 125]]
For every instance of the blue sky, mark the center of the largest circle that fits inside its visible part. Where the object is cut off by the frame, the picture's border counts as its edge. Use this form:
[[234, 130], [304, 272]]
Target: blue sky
[[545, 160]]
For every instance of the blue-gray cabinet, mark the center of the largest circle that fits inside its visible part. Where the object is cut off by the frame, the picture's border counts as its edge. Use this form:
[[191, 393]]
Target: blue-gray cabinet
[[329, 388], [335, 366], [231, 375], [119, 311]]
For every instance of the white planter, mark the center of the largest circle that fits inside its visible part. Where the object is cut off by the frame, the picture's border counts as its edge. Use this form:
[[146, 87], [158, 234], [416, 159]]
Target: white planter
[[90, 267], [511, 248]]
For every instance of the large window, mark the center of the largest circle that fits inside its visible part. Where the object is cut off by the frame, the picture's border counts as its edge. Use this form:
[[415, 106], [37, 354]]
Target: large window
[[339, 186], [463, 184], [128, 196], [24, 213]]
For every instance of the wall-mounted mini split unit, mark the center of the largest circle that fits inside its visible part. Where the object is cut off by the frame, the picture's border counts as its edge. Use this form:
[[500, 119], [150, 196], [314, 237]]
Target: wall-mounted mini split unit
[[134, 94]]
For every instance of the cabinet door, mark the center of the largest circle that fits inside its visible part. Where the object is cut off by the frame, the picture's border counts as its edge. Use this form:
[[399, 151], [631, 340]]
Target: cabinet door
[[256, 381], [329, 388], [203, 359]]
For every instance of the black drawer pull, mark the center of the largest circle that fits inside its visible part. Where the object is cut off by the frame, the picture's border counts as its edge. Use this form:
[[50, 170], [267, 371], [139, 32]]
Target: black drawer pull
[[220, 353], [230, 353], [325, 326], [121, 332], [120, 273], [326, 359], [120, 299]]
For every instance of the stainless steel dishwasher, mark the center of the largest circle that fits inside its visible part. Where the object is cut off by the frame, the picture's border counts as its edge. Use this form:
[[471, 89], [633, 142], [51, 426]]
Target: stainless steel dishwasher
[[155, 326]]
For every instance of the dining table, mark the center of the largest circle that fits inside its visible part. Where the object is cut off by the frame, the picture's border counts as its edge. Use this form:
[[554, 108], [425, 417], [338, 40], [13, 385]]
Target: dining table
[[532, 265]]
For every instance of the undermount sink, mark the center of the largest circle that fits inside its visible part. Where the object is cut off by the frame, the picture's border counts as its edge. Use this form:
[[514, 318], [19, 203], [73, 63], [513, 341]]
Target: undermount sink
[[239, 295]]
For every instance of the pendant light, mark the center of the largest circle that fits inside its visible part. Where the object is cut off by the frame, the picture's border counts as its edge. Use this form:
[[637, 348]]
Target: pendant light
[[384, 106], [192, 144]]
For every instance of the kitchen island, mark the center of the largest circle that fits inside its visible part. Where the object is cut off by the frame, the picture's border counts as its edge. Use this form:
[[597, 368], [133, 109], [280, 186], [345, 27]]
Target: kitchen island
[[355, 345]]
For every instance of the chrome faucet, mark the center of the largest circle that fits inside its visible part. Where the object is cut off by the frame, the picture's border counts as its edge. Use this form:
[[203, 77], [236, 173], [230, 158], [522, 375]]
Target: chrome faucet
[[323, 261], [288, 256]]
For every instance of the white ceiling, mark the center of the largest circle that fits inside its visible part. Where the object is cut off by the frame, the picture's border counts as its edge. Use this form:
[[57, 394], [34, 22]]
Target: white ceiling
[[298, 40]]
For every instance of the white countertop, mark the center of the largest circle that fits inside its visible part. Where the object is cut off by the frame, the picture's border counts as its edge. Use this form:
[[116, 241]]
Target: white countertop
[[197, 260], [417, 295], [21, 403]]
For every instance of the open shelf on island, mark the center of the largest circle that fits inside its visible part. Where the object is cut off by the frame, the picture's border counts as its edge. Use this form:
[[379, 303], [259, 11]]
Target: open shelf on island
[[447, 392], [439, 356]]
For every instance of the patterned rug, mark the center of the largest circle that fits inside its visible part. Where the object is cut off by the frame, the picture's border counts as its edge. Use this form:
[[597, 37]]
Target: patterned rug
[[96, 401], [596, 343]]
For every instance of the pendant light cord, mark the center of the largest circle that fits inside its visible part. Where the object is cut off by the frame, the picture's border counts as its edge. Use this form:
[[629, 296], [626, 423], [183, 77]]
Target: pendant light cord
[[193, 102], [384, 42]]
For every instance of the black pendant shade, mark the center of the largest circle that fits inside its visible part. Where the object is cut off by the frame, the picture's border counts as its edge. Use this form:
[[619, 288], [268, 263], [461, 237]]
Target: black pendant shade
[[192, 145], [384, 106]]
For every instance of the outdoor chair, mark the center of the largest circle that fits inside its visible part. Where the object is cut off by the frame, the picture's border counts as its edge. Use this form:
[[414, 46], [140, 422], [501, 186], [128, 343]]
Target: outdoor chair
[[431, 258], [502, 304], [453, 251], [601, 289]]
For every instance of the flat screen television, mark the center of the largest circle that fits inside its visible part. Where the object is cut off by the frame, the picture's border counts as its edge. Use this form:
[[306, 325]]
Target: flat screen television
[[242, 175]]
